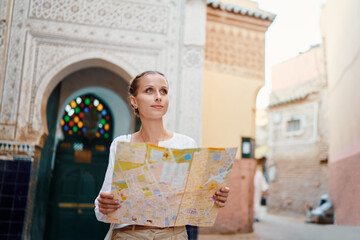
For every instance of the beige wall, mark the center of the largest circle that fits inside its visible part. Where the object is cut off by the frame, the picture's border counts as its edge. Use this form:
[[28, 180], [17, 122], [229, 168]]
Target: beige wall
[[340, 24], [342, 39], [228, 109], [292, 71]]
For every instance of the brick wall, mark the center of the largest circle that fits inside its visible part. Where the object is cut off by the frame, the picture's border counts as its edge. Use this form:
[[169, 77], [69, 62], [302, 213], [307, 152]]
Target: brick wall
[[301, 179]]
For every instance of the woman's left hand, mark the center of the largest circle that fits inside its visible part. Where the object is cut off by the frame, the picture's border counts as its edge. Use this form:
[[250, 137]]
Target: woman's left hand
[[220, 196]]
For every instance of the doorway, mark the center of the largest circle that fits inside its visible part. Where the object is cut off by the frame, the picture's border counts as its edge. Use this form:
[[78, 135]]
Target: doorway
[[88, 111], [80, 163]]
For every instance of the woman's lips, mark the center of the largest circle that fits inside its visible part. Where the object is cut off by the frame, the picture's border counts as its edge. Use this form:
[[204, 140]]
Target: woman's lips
[[157, 106]]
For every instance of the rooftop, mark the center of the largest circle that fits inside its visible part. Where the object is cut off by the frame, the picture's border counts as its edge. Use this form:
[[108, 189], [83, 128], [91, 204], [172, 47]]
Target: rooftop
[[241, 10]]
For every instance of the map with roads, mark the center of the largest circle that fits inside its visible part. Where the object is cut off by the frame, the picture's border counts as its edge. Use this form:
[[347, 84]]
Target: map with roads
[[167, 187]]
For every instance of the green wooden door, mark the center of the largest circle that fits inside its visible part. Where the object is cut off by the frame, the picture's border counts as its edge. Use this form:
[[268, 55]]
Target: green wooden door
[[76, 183], [80, 163]]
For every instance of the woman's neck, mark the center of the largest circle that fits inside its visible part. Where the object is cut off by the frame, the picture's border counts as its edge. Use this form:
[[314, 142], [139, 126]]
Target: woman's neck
[[153, 132]]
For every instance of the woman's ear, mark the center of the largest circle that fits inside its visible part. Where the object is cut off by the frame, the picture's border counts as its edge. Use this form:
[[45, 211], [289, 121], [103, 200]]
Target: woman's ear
[[133, 102]]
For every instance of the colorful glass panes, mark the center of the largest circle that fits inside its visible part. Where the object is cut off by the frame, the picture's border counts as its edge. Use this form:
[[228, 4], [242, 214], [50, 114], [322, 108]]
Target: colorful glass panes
[[87, 101], [88, 116], [100, 107], [73, 104]]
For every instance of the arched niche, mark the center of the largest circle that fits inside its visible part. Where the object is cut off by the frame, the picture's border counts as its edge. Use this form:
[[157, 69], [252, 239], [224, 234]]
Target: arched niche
[[69, 66]]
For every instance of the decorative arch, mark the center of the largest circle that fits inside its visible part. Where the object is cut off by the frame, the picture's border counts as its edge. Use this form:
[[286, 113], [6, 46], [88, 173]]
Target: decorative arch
[[67, 66]]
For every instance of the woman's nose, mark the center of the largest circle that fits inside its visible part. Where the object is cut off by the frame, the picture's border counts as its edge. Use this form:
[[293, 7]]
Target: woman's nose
[[157, 96]]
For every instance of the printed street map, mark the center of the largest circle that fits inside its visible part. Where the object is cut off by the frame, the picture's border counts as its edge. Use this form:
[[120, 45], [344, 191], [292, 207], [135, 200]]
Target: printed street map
[[167, 187]]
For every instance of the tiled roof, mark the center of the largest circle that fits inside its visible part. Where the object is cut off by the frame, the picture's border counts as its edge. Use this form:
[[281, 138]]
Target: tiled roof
[[291, 99], [240, 10]]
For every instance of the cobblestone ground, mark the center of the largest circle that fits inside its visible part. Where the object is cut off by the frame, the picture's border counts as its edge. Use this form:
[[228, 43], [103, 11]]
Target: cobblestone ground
[[274, 227]]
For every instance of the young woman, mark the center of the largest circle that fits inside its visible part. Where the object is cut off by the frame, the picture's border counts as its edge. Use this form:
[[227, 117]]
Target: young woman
[[148, 95]]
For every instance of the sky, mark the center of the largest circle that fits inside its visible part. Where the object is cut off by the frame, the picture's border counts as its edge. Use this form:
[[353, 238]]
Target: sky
[[295, 29]]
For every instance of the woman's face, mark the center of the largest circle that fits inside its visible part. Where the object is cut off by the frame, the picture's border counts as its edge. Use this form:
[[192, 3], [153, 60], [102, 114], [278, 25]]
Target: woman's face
[[151, 98]]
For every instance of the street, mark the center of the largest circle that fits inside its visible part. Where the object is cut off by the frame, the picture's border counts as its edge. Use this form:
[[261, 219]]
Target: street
[[275, 227]]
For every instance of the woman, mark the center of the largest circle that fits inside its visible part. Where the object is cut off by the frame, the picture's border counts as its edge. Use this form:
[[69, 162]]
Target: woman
[[148, 95]]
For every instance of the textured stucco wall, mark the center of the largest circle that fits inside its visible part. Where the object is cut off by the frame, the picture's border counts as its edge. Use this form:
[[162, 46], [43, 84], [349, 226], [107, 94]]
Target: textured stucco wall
[[342, 43], [289, 73], [228, 109]]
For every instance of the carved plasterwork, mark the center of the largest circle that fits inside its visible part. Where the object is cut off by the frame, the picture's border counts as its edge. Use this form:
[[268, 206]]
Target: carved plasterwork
[[235, 50], [2, 34], [116, 14], [49, 54], [54, 40], [190, 98], [13, 72], [2, 54], [3, 8], [193, 57]]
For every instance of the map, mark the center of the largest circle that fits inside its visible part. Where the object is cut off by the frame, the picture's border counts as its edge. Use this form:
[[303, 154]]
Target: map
[[167, 187]]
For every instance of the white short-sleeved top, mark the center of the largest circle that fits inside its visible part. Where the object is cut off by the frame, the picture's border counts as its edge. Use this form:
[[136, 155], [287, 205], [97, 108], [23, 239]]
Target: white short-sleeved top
[[178, 141]]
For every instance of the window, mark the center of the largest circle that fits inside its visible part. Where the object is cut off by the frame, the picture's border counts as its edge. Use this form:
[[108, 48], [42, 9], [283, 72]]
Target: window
[[293, 125], [87, 116]]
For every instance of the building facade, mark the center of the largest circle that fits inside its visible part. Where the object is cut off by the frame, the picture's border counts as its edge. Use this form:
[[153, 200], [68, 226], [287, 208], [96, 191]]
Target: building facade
[[298, 134], [234, 72], [342, 43], [64, 61]]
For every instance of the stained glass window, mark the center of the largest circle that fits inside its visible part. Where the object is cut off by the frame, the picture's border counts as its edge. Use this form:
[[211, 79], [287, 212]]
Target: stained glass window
[[87, 116]]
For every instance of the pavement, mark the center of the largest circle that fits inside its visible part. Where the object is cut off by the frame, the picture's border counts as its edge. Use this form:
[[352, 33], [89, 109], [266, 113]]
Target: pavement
[[277, 227]]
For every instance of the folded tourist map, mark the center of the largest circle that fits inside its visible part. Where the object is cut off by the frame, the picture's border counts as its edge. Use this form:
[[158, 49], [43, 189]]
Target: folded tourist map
[[167, 187]]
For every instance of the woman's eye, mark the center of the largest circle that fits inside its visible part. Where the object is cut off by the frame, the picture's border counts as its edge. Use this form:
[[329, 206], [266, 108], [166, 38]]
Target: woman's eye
[[163, 91], [149, 90]]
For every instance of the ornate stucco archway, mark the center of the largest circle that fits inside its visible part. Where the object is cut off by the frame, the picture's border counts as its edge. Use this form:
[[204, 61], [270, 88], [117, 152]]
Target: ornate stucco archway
[[54, 74]]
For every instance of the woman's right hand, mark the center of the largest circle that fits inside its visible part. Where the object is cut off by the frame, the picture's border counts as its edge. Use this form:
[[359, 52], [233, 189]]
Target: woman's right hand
[[107, 204]]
